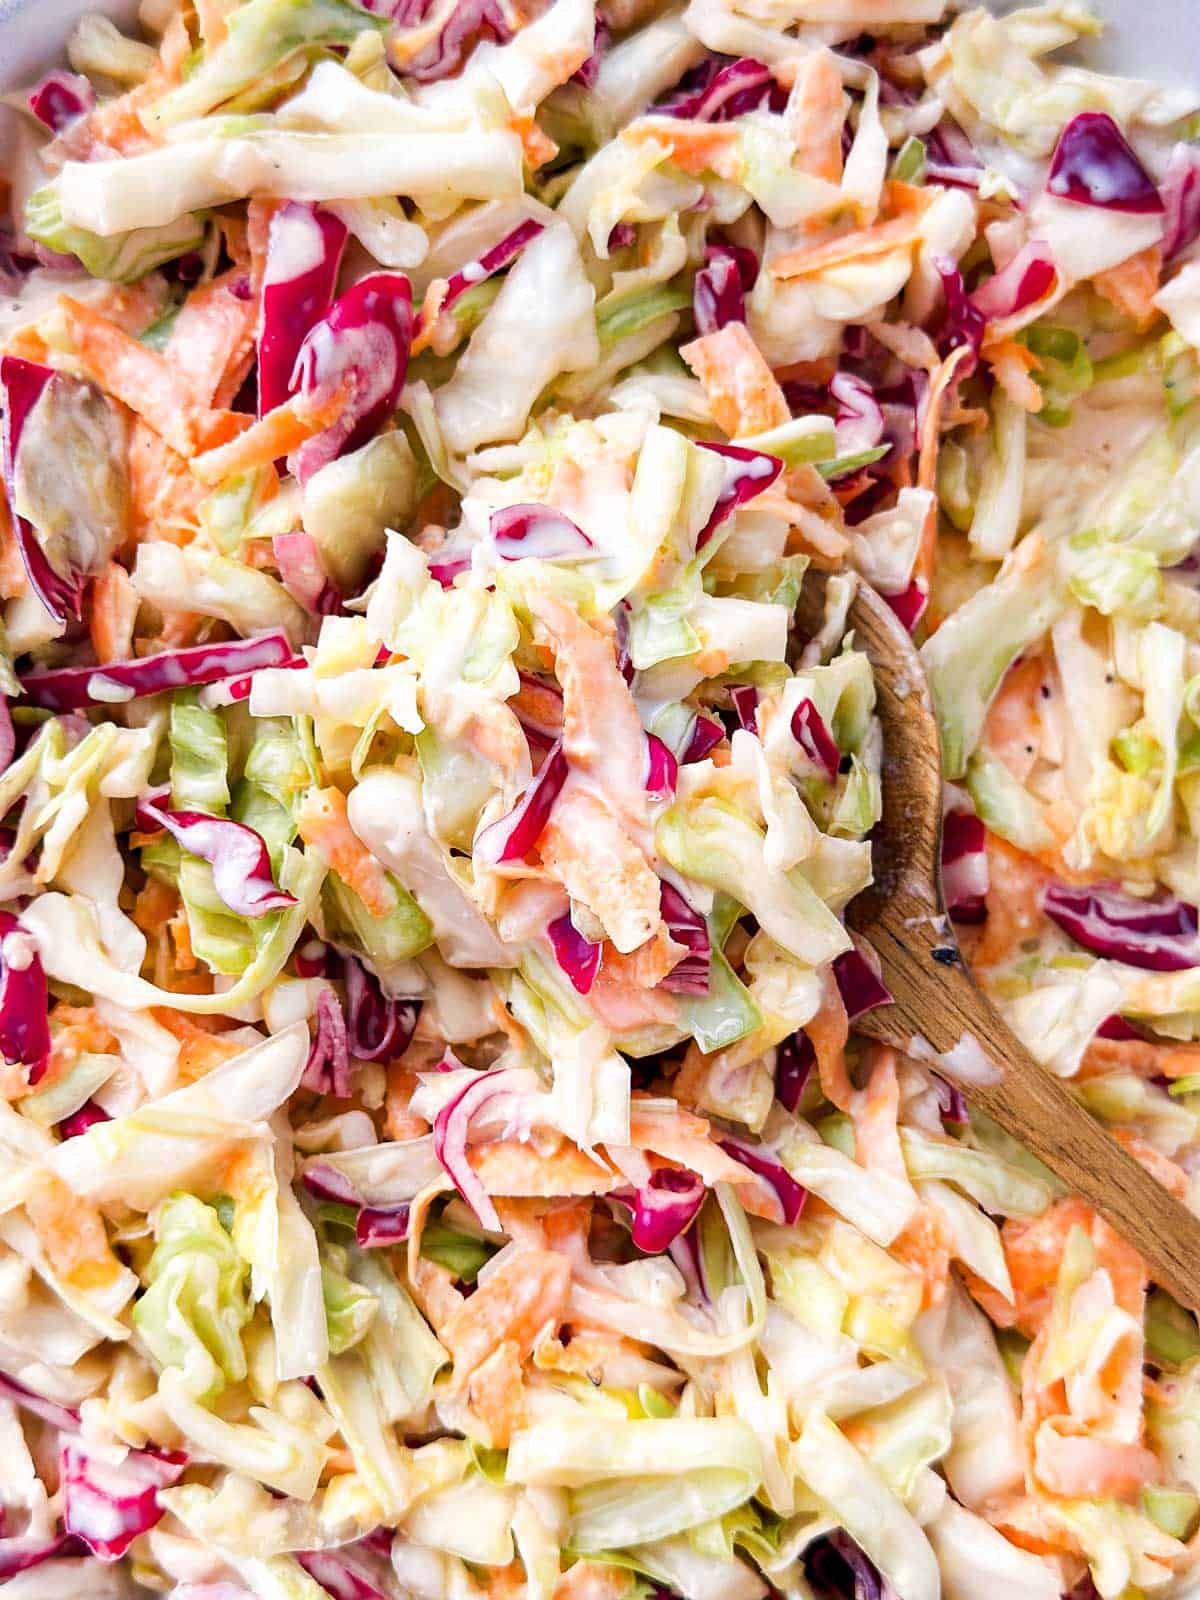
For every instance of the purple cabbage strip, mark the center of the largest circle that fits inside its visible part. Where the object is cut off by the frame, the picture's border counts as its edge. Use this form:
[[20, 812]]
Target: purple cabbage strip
[[108, 1507], [327, 1070], [705, 736], [468, 20], [664, 1208], [964, 866], [732, 89], [963, 323], [1181, 200], [19, 1555], [22, 384], [577, 956], [767, 1165], [490, 262], [70, 688], [717, 294], [587, 74], [512, 837], [859, 984], [795, 1062], [362, 344], [327, 1183], [303, 573], [60, 99], [523, 531], [58, 1416], [1095, 165], [377, 1028], [1156, 935], [662, 769], [838, 1570], [859, 422], [1021, 282], [88, 1115], [241, 865], [951, 1101], [748, 473], [24, 1000], [815, 740], [304, 252], [693, 974], [376, 1227], [745, 706], [909, 605]]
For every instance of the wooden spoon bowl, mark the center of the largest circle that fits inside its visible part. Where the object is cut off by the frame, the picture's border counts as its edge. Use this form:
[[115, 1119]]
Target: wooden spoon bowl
[[940, 1014]]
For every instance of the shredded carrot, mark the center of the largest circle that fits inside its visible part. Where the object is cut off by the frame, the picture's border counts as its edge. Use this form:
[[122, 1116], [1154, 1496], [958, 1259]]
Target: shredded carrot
[[212, 341], [322, 822], [1132, 285], [112, 614], [144, 381], [742, 393], [210, 14], [828, 1032], [537, 148], [164, 497], [277, 434], [816, 112], [496, 1396], [72, 1234], [520, 1170], [1012, 365], [1145, 1057], [904, 208], [1016, 882], [117, 124], [695, 147], [1172, 1176], [592, 1580], [399, 1121], [518, 1300]]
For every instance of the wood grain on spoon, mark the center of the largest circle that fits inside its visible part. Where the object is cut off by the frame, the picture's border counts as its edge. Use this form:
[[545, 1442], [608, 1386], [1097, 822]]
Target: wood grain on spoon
[[902, 917]]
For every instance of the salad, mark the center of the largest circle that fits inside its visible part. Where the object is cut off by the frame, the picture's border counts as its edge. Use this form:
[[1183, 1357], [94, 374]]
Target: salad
[[437, 1159]]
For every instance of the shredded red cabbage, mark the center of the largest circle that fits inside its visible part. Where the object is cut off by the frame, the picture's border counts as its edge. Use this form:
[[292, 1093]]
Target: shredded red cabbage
[[241, 865], [107, 1506], [24, 1000], [1115, 1027], [377, 1029], [74, 688], [303, 573], [61, 99], [514, 836], [445, 572], [524, 531], [22, 384], [1095, 165], [577, 956], [965, 880], [304, 252], [693, 974], [491, 261], [815, 740], [311, 960], [790, 1194], [451, 1128], [717, 294], [705, 736], [748, 473], [362, 343], [838, 1570], [327, 1070], [1023, 281], [951, 1102], [340, 1575], [61, 1417], [1157, 935], [745, 706], [664, 1208], [859, 421], [379, 1226], [469, 20], [860, 985], [19, 1555], [1181, 200], [327, 1183], [88, 1115], [587, 74], [963, 324], [661, 771], [729, 90], [909, 605], [795, 1061]]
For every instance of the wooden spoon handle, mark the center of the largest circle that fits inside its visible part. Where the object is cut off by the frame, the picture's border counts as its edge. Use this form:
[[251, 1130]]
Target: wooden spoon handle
[[1028, 1101]]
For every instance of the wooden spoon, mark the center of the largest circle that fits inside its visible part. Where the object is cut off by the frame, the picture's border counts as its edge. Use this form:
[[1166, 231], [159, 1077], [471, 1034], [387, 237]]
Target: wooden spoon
[[903, 918]]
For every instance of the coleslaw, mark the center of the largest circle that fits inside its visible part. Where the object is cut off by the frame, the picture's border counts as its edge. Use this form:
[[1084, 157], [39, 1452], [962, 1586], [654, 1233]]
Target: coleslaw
[[438, 1160]]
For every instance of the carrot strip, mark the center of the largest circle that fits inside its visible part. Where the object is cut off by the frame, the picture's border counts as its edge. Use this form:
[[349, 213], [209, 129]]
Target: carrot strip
[[743, 395], [1013, 365], [112, 614], [277, 434], [906, 207], [1132, 285], [816, 113]]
